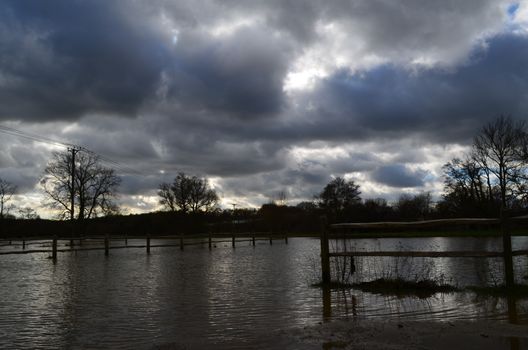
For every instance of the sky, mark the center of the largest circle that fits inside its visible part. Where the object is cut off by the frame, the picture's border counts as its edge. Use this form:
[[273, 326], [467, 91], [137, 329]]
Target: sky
[[260, 97]]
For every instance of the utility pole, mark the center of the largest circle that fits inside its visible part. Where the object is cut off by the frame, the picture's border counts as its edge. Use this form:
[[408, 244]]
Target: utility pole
[[74, 151]]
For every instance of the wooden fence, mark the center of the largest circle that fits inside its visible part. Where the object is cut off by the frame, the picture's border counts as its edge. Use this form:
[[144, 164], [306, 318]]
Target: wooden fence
[[82, 243], [329, 232]]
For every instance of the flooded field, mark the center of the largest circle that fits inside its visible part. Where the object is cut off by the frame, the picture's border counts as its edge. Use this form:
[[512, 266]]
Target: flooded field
[[240, 296]]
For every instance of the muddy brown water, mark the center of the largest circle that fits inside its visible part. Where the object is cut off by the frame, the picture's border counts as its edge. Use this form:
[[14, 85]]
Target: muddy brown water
[[245, 297]]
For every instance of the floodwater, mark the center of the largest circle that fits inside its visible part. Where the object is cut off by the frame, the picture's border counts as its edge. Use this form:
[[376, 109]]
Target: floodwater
[[228, 297]]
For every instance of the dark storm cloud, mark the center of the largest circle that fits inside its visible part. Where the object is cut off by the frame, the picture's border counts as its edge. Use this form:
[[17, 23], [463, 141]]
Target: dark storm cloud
[[441, 105], [399, 175], [68, 58], [131, 184], [76, 57], [240, 75], [264, 187]]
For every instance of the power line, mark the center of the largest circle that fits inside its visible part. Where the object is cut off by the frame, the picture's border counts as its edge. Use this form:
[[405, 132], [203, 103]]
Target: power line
[[34, 137], [14, 132]]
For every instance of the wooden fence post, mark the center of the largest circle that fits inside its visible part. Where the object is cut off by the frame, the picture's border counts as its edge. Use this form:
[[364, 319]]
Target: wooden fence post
[[325, 250], [507, 250], [253, 238], [148, 243], [106, 244], [54, 249], [233, 240], [327, 303]]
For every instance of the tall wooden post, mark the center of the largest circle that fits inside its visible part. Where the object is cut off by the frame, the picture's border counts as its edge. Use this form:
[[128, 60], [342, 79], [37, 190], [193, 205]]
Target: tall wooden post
[[253, 238], [507, 250], [325, 250], [233, 240], [106, 244], [74, 151], [327, 303], [148, 243], [54, 249]]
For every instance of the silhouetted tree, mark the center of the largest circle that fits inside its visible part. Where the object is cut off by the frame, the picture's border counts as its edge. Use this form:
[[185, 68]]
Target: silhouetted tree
[[281, 198], [187, 194], [339, 196], [7, 190], [94, 190], [467, 189], [306, 206], [376, 209], [28, 213], [501, 149], [411, 207]]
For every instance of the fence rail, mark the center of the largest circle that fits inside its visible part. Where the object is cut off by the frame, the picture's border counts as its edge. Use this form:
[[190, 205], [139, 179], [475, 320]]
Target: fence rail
[[210, 239], [329, 232], [416, 224], [432, 254]]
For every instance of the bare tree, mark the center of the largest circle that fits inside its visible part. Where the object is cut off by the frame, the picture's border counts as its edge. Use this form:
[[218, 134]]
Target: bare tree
[[7, 190], [467, 188], [188, 194], [281, 198], [94, 186], [414, 207], [500, 148], [338, 197], [28, 213]]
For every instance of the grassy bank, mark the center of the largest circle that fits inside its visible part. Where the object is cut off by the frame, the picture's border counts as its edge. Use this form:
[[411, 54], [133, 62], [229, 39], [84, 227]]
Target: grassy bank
[[426, 288]]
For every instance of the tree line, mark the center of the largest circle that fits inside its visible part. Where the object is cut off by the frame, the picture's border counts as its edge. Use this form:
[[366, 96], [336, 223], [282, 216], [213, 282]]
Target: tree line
[[492, 177]]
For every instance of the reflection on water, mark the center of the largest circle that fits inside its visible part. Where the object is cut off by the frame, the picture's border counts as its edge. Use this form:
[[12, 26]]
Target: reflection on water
[[230, 296]]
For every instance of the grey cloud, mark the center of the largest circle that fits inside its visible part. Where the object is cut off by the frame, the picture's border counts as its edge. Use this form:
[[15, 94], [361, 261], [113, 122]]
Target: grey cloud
[[436, 105], [24, 179], [418, 30], [75, 57], [131, 184], [399, 175], [241, 75], [264, 187]]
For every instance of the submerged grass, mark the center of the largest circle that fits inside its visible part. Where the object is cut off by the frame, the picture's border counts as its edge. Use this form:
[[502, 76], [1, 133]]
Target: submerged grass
[[426, 288], [398, 287], [401, 287], [518, 291]]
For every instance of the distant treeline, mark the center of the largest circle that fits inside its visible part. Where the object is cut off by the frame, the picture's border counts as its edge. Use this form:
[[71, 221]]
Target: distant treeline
[[304, 218]]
